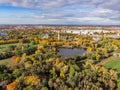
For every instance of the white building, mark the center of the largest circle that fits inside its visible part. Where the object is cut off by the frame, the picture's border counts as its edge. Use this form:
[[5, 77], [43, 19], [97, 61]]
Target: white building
[[87, 32]]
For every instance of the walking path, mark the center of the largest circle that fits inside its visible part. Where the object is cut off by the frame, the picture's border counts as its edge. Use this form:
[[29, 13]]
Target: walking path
[[105, 61]]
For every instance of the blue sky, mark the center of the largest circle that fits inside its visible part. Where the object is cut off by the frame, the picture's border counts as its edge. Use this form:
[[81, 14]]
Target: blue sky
[[97, 12]]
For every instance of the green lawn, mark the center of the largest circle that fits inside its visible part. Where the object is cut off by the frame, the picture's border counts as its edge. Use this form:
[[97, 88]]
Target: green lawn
[[4, 46], [114, 64], [6, 61]]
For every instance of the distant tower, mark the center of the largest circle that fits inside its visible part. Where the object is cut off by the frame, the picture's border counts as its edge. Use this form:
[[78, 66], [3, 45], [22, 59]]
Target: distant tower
[[118, 33], [58, 35]]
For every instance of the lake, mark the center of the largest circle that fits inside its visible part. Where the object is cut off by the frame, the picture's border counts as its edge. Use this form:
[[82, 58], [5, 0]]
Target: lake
[[67, 53]]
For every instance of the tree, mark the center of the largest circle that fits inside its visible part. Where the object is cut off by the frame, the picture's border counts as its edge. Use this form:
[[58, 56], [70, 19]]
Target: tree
[[32, 80], [12, 86], [89, 49], [15, 60], [72, 71], [97, 57]]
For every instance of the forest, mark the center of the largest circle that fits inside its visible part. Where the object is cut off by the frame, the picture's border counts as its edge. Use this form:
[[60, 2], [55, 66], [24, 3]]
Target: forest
[[31, 61]]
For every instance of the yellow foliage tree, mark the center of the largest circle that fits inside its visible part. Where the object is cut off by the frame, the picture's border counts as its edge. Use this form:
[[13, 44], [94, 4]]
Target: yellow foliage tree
[[32, 80], [89, 49], [62, 75], [12, 86], [16, 60]]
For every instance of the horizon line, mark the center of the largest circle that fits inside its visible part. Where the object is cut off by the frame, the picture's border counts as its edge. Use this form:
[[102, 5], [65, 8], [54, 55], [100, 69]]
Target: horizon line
[[64, 24]]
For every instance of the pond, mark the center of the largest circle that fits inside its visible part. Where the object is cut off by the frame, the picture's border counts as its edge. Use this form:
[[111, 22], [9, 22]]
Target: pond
[[67, 53]]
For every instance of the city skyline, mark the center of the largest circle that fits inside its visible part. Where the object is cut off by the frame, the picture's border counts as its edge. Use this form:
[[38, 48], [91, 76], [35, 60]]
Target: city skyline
[[80, 12]]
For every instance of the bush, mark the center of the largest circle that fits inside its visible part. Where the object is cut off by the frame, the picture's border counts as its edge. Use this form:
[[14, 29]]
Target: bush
[[5, 55]]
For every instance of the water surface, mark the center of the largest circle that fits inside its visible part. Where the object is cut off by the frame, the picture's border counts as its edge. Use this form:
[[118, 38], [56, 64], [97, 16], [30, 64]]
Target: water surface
[[67, 53]]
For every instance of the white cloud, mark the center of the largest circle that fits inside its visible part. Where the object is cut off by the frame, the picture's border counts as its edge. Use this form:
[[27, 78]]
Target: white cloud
[[103, 11]]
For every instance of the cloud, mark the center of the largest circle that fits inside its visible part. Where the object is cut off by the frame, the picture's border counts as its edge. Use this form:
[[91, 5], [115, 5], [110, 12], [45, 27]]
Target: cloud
[[40, 4], [68, 11], [53, 4], [108, 4]]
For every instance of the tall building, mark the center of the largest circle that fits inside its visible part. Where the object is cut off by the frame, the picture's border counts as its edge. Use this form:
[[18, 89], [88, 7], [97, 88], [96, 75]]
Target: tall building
[[58, 35]]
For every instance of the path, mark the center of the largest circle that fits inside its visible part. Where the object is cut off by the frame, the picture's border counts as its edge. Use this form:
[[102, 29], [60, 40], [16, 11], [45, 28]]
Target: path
[[105, 61]]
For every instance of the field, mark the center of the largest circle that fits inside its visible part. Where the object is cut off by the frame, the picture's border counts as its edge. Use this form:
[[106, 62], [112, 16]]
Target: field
[[114, 64], [6, 61], [5, 46], [2, 49]]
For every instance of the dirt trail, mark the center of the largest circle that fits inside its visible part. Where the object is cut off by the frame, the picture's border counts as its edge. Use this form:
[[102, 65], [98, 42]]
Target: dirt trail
[[105, 61]]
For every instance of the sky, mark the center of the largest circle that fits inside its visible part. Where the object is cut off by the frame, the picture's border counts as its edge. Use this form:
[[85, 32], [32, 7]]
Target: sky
[[75, 12]]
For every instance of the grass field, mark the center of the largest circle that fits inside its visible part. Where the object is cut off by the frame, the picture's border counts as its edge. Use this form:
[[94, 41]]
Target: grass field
[[6, 61], [4, 46], [114, 64]]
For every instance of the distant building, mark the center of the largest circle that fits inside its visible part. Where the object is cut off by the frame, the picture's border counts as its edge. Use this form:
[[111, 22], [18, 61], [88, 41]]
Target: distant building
[[96, 39], [118, 34], [45, 36], [58, 35], [87, 32], [116, 54], [3, 35]]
